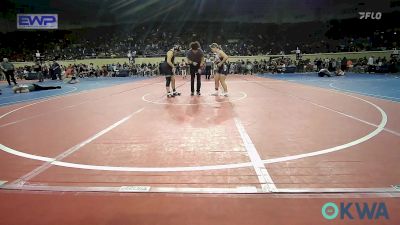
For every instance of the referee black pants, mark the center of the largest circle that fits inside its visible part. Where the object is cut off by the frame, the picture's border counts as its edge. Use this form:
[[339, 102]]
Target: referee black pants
[[10, 74], [193, 73]]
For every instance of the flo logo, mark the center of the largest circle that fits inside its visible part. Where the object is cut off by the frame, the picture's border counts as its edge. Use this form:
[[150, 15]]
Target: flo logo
[[370, 15], [351, 211]]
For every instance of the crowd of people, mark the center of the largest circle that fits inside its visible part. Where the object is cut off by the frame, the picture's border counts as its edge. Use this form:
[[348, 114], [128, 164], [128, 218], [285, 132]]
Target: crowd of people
[[273, 41], [150, 40], [53, 70], [287, 65], [209, 68]]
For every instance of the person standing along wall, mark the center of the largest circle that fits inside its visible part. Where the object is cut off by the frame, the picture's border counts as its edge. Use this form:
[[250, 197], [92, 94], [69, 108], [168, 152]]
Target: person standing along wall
[[8, 69], [183, 69], [208, 67], [38, 69], [56, 71]]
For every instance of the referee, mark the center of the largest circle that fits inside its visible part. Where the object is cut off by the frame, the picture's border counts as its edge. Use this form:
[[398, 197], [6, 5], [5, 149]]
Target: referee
[[195, 58]]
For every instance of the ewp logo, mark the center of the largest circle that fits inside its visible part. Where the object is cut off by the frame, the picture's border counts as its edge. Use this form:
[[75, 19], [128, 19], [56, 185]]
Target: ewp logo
[[37, 21], [362, 211], [370, 15]]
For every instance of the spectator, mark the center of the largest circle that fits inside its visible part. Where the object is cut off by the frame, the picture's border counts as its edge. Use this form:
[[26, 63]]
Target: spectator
[[344, 64], [395, 53], [209, 65], [183, 69], [38, 70], [298, 56], [324, 72], [8, 69], [56, 71], [371, 64]]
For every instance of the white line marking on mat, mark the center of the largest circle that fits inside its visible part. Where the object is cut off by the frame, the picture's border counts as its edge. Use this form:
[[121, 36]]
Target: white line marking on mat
[[22, 180], [25, 155], [262, 174]]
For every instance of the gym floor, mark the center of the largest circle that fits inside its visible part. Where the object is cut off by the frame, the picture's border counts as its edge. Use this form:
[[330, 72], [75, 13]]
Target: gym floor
[[118, 150]]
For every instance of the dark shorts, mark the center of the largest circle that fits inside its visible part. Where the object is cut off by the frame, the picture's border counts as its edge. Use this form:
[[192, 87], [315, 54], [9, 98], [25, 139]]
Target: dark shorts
[[165, 69], [167, 73], [223, 69]]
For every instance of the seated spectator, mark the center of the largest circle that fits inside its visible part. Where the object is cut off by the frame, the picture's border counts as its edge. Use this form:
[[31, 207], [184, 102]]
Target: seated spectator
[[339, 72], [395, 53], [349, 65], [324, 72], [72, 80]]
